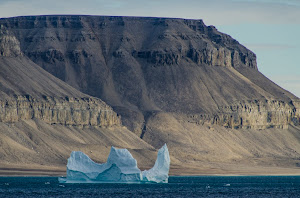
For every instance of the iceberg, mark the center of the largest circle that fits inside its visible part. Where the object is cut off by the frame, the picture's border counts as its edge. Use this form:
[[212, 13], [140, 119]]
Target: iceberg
[[120, 167], [160, 171]]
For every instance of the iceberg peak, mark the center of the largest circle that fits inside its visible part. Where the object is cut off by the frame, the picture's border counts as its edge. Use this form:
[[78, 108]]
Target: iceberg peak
[[120, 167], [123, 159], [160, 171]]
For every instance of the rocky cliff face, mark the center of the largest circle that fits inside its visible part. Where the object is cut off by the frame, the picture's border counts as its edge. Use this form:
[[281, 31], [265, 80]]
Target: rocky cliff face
[[65, 111], [9, 44], [28, 92], [253, 115], [193, 40], [145, 65]]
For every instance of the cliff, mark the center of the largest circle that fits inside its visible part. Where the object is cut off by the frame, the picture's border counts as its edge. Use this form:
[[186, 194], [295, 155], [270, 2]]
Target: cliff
[[28, 92], [253, 114], [65, 111], [145, 65], [9, 45]]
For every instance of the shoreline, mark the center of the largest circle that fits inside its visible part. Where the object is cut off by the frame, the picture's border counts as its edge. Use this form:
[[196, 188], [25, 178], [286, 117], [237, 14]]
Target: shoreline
[[220, 169], [57, 172]]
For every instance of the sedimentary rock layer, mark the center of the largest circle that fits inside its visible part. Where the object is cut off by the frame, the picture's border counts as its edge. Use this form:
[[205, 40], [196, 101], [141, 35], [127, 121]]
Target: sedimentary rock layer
[[65, 111], [141, 66], [29, 92], [253, 114]]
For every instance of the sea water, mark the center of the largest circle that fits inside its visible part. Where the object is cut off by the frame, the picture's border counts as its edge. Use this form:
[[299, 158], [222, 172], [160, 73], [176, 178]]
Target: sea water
[[198, 186]]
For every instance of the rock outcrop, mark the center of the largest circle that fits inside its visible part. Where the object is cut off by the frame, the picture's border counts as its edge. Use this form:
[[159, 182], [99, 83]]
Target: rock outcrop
[[253, 114], [9, 45], [65, 111]]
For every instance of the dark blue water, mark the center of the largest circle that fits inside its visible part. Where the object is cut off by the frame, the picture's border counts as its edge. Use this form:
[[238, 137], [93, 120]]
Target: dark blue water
[[202, 186]]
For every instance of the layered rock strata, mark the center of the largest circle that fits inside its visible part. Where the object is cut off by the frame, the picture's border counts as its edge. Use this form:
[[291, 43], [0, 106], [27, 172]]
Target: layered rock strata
[[143, 65], [65, 111], [253, 114], [21, 96], [9, 44]]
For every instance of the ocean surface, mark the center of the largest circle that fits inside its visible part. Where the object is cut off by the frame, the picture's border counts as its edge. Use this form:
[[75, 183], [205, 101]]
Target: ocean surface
[[198, 186]]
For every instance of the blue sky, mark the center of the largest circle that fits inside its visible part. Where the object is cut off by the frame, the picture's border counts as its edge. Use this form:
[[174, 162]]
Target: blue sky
[[270, 28]]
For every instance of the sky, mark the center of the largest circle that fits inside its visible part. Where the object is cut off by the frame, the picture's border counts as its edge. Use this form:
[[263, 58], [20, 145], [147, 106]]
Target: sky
[[270, 28]]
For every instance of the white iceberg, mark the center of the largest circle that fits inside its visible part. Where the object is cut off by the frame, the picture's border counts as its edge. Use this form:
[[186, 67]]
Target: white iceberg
[[160, 171], [120, 167]]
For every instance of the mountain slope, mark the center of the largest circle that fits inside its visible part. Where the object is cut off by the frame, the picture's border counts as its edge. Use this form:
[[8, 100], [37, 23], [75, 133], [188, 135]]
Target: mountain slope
[[171, 80], [145, 65], [43, 119]]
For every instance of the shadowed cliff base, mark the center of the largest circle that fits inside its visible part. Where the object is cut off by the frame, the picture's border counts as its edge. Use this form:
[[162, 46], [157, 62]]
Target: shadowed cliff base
[[173, 81]]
